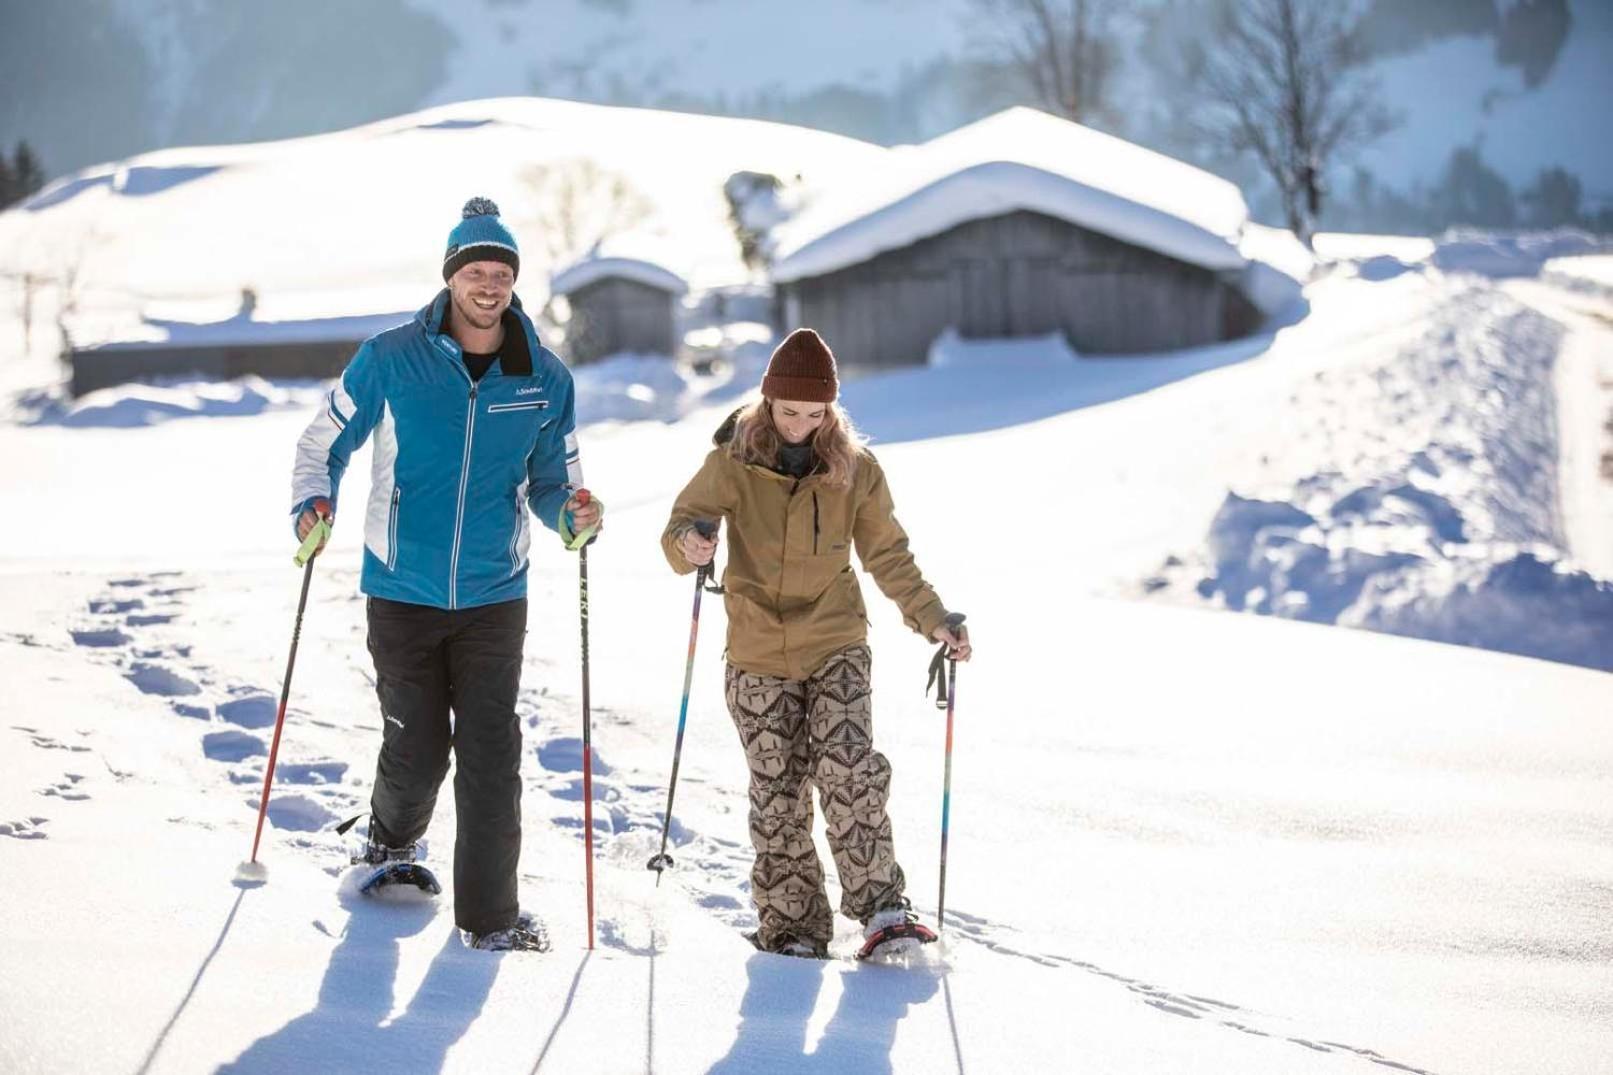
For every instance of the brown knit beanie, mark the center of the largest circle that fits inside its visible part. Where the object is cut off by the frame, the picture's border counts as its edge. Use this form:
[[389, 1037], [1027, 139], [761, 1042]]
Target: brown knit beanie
[[802, 369]]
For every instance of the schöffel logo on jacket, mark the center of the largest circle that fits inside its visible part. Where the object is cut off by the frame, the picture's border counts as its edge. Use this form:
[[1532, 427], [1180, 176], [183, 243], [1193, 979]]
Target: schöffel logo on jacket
[[527, 391]]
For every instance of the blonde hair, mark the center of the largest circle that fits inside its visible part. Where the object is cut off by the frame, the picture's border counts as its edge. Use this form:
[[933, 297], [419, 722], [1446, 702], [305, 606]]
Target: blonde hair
[[836, 442]]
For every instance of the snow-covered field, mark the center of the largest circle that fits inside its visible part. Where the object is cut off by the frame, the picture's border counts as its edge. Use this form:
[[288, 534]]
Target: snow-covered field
[[1182, 840]]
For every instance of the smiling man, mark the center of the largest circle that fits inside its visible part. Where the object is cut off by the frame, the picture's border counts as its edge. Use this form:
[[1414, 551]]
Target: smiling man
[[473, 424]]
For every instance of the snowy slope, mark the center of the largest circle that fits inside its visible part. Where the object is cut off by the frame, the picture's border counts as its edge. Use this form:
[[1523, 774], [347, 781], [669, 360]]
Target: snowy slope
[[1181, 840], [357, 219]]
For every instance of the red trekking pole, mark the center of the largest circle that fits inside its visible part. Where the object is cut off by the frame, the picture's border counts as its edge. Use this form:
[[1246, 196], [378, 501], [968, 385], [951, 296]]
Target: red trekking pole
[[304, 559], [587, 725], [947, 695]]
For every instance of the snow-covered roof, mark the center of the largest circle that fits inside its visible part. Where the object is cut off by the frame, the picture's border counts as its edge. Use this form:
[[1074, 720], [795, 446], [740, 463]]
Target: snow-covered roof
[[1020, 159], [638, 258]]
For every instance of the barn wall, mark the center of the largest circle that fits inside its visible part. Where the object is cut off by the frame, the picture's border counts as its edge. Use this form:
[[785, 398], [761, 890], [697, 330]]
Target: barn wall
[[1020, 274], [615, 315], [102, 367]]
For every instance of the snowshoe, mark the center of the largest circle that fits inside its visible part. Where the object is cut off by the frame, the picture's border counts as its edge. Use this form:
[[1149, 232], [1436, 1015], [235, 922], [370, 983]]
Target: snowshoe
[[893, 933], [390, 874], [393, 866], [527, 935]]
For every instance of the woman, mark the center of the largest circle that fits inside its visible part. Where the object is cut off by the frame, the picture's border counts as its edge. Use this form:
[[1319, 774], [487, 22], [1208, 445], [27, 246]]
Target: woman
[[790, 475]]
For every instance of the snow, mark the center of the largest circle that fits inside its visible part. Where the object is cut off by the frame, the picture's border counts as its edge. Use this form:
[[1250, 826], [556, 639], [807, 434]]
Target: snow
[[579, 275], [1519, 254], [1438, 517], [1181, 839], [1592, 273], [1018, 159], [1278, 268]]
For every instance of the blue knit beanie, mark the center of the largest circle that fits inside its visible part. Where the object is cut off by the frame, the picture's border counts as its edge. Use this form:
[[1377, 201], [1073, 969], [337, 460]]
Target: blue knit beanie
[[480, 236]]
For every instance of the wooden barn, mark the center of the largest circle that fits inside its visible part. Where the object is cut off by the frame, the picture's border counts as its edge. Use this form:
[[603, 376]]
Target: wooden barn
[[618, 304], [222, 350], [1022, 225]]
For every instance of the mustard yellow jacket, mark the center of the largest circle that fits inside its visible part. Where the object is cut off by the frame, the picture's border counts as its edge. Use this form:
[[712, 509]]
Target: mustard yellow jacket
[[792, 596]]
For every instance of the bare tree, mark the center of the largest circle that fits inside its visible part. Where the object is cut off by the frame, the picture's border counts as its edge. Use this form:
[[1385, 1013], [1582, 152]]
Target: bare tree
[[1065, 51], [1282, 80], [576, 203]]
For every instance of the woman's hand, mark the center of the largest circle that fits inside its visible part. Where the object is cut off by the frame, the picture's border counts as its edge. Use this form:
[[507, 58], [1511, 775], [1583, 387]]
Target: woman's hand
[[958, 648], [696, 549]]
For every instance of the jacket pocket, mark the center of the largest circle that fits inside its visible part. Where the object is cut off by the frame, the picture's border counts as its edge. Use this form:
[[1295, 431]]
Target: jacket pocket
[[392, 529], [518, 533], [527, 405]]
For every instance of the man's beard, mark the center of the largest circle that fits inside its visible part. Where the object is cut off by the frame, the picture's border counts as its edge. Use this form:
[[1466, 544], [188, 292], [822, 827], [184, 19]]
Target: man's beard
[[475, 315]]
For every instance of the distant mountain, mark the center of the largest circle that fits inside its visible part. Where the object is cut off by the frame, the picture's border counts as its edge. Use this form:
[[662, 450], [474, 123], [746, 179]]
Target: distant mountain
[[1523, 84]]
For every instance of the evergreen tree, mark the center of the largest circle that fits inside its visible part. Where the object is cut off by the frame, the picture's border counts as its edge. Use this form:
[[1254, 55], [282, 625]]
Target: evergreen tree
[[27, 174], [1553, 199]]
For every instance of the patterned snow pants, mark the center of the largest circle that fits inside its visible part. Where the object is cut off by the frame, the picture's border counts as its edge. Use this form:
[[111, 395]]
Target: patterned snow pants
[[801, 733]]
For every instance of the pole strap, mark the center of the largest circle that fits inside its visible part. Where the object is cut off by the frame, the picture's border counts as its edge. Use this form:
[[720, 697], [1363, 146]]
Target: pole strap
[[938, 679], [310, 544]]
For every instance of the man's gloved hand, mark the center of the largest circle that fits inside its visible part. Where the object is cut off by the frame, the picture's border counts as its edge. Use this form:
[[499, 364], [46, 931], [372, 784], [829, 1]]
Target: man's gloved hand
[[319, 509]]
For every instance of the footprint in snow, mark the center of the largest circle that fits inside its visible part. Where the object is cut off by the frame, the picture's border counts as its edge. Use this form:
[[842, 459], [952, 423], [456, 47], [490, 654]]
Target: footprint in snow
[[45, 742], [100, 638], [27, 829], [157, 679], [232, 746], [297, 812], [67, 789], [103, 606], [564, 755], [251, 708]]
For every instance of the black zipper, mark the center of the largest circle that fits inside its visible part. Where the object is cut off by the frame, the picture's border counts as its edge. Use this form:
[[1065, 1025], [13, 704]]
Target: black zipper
[[814, 522]]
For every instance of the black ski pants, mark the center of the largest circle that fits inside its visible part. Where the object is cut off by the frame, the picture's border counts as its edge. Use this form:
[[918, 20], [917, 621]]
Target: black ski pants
[[430, 662]]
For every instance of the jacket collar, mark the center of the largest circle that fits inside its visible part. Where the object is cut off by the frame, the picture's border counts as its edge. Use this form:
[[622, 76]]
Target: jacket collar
[[520, 335]]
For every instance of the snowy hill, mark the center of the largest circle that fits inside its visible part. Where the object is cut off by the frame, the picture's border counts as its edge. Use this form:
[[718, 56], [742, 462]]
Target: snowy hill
[[351, 223], [1182, 840]]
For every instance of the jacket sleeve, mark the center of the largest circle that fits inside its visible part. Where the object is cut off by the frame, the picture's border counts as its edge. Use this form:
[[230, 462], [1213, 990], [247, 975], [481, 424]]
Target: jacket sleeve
[[554, 469], [882, 547], [351, 410], [710, 494]]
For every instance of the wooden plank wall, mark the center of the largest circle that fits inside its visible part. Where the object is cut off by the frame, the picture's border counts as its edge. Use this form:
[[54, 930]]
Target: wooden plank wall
[[614, 315], [102, 367], [1021, 274]]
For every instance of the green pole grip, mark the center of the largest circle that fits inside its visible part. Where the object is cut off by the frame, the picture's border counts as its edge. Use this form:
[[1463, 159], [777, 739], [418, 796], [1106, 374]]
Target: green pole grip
[[579, 540], [311, 543]]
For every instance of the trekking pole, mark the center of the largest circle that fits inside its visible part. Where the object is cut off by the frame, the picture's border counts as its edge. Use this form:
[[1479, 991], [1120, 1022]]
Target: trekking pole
[[946, 697], [305, 560], [659, 862], [587, 722]]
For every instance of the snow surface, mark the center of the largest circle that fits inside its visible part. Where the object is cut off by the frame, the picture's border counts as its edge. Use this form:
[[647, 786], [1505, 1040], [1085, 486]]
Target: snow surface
[[1181, 840], [580, 274], [1588, 272], [1019, 159]]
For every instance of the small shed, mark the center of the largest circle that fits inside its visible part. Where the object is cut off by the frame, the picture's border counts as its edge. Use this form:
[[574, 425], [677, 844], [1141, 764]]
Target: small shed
[[308, 348], [619, 304], [1021, 225]]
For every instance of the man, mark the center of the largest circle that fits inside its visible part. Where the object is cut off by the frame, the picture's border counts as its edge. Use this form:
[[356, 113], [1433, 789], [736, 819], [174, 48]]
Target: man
[[473, 424]]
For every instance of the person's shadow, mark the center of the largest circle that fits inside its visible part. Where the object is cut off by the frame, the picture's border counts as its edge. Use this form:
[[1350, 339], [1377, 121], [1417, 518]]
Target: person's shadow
[[778, 1004], [344, 1031]]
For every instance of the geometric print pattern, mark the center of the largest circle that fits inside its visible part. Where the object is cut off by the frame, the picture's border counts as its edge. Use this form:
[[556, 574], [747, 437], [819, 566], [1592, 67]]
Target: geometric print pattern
[[804, 733]]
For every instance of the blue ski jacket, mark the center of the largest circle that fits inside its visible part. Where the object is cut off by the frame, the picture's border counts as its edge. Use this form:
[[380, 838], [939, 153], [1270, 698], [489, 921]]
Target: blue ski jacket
[[456, 463]]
